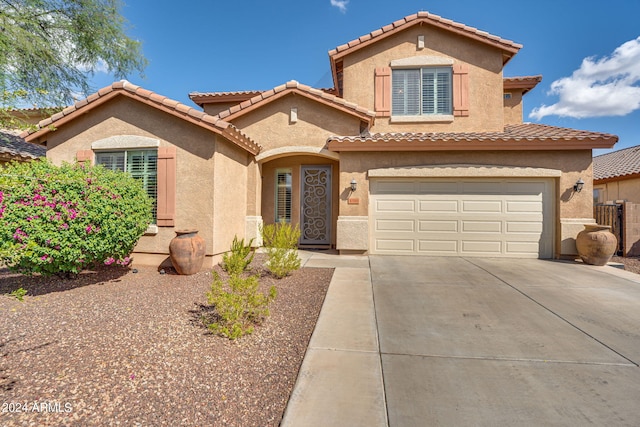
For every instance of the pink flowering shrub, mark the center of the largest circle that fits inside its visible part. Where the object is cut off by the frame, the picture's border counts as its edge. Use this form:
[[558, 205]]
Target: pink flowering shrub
[[60, 220]]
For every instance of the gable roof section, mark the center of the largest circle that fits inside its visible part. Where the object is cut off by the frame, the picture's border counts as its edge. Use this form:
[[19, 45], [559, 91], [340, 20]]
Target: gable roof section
[[162, 103], [293, 87], [509, 47], [525, 136], [14, 147], [526, 83], [621, 164], [201, 98]]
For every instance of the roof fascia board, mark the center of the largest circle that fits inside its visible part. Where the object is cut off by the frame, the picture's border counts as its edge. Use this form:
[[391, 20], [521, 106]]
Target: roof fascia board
[[616, 178]]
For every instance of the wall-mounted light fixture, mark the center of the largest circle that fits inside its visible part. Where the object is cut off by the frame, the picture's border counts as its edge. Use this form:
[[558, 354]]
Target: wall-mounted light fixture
[[577, 187], [354, 185]]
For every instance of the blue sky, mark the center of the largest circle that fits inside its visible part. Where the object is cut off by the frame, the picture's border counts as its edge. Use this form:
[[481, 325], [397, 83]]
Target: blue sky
[[588, 49]]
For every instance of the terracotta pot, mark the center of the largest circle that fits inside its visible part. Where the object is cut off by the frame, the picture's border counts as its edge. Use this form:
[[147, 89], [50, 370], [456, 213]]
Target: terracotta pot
[[596, 244], [186, 251]]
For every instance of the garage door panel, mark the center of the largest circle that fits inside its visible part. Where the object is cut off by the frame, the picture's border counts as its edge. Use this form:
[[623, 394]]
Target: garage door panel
[[482, 227], [487, 206], [395, 187], [395, 225], [395, 245], [525, 207], [437, 187], [482, 246], [526, 188], [396, 205], [438, 225], [486, 217], [438, 246], [524, 227], [427, 206]]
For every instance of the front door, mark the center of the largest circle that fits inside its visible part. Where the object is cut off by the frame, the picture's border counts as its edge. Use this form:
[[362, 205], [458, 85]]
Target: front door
[[315, 205]]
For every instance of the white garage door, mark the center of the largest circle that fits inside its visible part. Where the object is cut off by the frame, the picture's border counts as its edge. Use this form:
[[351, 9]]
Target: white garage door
[[462, 217]]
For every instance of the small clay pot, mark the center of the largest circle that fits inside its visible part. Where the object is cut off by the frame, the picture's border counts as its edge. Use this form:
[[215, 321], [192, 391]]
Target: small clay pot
[[596, 244], [187, 251]]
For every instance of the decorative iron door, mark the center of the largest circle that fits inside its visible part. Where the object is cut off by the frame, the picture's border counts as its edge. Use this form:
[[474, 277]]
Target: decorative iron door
[[315, 205]]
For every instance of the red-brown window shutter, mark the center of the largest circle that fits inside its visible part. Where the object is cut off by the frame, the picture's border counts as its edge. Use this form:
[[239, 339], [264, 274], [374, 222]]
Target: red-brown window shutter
[[383, 92], [460, 90], [84, 155], [166, 208]]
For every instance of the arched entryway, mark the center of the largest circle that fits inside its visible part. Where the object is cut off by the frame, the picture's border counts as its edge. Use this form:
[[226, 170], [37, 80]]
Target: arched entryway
[[302, 189]]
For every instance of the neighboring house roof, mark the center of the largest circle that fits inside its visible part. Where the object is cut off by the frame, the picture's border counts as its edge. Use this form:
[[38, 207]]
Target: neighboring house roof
[[526, 83], [525, 136], [201, 98], [14, 147], [294, 87], [619, 164], [125, 88]]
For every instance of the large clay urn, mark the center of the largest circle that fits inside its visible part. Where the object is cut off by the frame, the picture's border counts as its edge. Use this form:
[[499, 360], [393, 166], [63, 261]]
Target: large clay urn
[[596, 244], [186, 251]]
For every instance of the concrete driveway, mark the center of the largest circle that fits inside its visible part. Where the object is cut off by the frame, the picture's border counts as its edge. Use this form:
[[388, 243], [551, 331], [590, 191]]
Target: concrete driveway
[[454, 341]]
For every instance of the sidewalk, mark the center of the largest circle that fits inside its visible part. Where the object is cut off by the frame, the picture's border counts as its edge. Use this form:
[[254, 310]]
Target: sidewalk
[[340, 381]]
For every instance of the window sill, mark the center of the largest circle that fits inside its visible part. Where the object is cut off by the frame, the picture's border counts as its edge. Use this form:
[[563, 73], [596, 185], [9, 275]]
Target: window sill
[[152, 230], [439, 118]]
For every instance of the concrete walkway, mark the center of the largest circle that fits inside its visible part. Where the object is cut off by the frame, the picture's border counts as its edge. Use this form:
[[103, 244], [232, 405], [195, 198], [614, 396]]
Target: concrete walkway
[[453, 341]]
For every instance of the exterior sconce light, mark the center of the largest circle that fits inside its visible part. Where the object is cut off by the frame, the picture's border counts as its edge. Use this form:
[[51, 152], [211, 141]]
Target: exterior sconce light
[[577, 187], [354, 185]]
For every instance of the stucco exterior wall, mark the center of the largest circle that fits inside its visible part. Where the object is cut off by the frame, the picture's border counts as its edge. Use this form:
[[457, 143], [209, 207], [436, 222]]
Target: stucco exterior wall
[[572, 208], [485, 77], [195, 166], [216, 108], [623, 189], [513, 108], [271, 125]]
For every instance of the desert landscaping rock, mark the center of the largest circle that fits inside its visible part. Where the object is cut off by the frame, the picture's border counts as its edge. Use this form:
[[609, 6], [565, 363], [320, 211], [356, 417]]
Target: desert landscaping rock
[[116, 348]]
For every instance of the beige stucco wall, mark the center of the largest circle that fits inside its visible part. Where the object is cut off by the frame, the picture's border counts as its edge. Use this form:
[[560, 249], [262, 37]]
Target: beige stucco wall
[[271, 126], [513, 108], [624, 189], [485, 77], [202, 160], [570, 205], [216, 108]]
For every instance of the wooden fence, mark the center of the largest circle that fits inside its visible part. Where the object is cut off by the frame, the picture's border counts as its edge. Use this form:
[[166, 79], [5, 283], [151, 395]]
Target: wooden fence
[[624, 220]]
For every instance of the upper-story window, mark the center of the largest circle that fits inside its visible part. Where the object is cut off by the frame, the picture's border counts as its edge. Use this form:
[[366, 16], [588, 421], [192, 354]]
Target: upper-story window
[[422, 91]]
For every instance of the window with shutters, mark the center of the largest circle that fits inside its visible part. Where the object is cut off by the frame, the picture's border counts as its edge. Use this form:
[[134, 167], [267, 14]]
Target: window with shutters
[[422, 92], [141, 164], [283, 195]]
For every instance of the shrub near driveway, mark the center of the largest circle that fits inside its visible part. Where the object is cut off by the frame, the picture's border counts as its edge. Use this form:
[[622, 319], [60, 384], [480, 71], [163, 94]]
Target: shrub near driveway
[[60, 220]]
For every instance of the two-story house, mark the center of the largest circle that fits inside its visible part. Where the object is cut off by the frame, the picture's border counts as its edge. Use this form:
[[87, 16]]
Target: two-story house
[[419, 149]]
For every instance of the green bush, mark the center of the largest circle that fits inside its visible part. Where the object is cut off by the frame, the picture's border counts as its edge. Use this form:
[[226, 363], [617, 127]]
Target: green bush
[[60, 220], [281, 243], [238, 259], [238, 306]]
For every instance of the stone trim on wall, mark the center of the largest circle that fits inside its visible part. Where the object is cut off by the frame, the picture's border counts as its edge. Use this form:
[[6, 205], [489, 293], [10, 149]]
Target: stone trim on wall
[[353, 233], [123, 142]]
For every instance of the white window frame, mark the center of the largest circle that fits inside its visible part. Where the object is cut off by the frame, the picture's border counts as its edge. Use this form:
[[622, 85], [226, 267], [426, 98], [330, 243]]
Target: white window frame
[[283, 195]]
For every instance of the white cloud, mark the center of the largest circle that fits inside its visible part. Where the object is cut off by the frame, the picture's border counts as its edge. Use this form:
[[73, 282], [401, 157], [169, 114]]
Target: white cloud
[[609, 86], [340, 4]]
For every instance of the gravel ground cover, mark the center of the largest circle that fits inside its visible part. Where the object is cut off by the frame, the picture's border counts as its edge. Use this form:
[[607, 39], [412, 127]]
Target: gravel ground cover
[[113, 347], [631, 264]]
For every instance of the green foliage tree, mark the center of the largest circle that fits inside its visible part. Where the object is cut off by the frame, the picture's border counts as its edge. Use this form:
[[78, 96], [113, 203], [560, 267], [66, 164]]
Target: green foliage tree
[[60, 220], [49, 49]]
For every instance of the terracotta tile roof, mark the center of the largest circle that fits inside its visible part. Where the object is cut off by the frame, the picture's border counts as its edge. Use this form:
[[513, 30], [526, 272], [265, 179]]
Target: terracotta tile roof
[[125, 88], [521, 137], [617, 164], [522, 82], [12, 146], [431, 19], [201, 98], [304, 90]]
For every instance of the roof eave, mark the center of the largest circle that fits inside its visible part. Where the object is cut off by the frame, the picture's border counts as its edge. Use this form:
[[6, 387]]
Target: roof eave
[[529, 144]]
